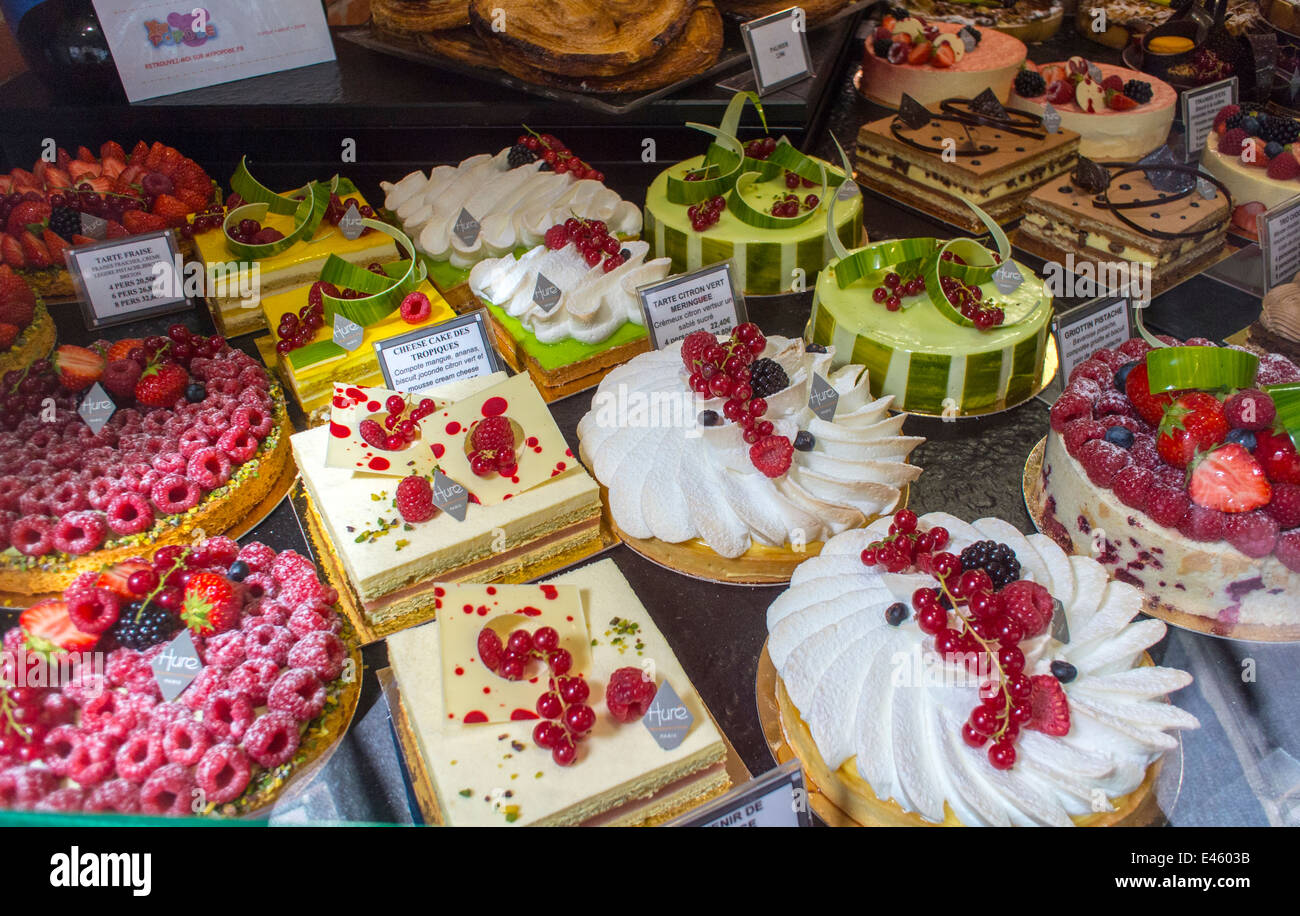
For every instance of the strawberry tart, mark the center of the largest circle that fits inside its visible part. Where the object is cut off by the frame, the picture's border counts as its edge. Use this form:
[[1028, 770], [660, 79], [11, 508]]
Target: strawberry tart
[[934, 672], [1255, 155], [95, 720], [1124, 116], [717, 463], [1192, 494], [26, 328], [931, 61], [196, 440]]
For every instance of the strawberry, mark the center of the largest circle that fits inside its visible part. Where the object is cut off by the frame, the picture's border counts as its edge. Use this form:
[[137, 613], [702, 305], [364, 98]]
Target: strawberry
[[86, 155], [34, 250], [137, 221], [1051, 73], [192, 199], [210, 605], [161, 384], [115, 578], [1193, 423], [8, 334], [121, 348], [112, 150], [1150, 407], [113, 168], [170, 208], [1114, 82], [1118, 101], [1049, 707], [920, 52], [57, 179], [772, 455], [62, 157], [11, 251], [1228, 479], [116, 230], [78, 367], [154, 159], [81, 239], [138, 154], [27, 213], [171, 161], [17, 301], [83, 171], [944, 57], [49, 630], [54, 245], [1276, 454]]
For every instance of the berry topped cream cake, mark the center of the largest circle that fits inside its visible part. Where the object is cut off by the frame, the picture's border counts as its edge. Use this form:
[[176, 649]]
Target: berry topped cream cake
[[26, 328], [1174, 467], [1124, 115], [93, 721], [197, 439], [1257, 156], [718, 463], [939, 673]]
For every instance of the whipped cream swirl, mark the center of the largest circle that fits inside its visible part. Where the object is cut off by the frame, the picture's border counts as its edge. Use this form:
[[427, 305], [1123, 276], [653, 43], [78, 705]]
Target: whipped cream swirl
[[840, 662], [671, 478]]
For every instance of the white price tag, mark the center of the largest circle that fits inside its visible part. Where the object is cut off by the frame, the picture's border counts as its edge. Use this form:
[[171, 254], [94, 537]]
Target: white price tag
[[778, 49], [129, 278], [1083, 331], [702, 300], [778, 798], [1279, 239], [430, 357], [1198, 108]]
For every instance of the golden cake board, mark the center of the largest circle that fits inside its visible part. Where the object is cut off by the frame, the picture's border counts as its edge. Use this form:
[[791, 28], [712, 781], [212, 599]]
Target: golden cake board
[[427, 800], [1035, 503]]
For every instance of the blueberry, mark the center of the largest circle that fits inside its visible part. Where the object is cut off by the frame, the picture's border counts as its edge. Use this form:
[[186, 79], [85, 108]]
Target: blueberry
[[1250, 126], [804, 441], [1064, 671], [896, 613], [195, 392], [1119, 435], [238, 571], [813, 348], [624, 254], [709, 418], [1121, 375], [1243, 437], [1272, 148]]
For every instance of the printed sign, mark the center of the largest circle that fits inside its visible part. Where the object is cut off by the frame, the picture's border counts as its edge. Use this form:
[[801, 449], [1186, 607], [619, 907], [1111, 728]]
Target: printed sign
[[176, 666], [778, 798], [430, 357], [124, 279], [1007, 278], [1198, 108], [702, 300], [96, 408], [668, 719], [778, 49], [466, 228], [94, 227], [822, 398], [1279, 239], [160, 50], [350, 225], [347, 333], [546, 295], [449, 496], [1083, 331]]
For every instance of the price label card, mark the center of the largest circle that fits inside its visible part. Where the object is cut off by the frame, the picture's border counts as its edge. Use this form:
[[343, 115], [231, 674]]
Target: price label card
[[1198, 108], [702, 300], [447, 352], [1083, 331], [127, 279], [778, 49], [1279, 239], [778, 798], [160, 49]]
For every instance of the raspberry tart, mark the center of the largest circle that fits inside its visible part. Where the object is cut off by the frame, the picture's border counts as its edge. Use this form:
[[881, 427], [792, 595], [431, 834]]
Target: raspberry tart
[[1191, 495], [933, 672], [716, 465], [198, 440], [87, 726]]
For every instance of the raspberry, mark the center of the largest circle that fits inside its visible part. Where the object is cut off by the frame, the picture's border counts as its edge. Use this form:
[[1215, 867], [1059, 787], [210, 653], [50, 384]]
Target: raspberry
[[320, 652], [91, 761], [208, 468], [185, 740], [1095, 369], [120, 376], [264, 610], [1087, 388], [415, 308], [164, 714], [1113, 403], [1283, 167], [174, 494], [94, 610], [227, 715], [253, 377], [259, 421], [100, 493], [1102, 460], [1253, 533], [1231, 142], [66, 498], [59, 743], [1202, 524], [1069, 406], [117, 796], [22, 787], [35, 499], [1288, 550], [772, 455], [32, 535], [1131, 485], [299, 693], [129, 513], [1276, 369], [168, 790], [1171, 477], [238, 445], [221, 551], [139, 756], [98, 710], [1285, 505], [1144, 454], [208, 680], [65, 800], [260, 585], [273, 739], [257, 556], [269, 642], [1167, 506], [305, 620], [1078, 432], [289, 564], [225, 650], [147, 481], [223, 773], [1029, 603], [191, 441], [493, 434], [169, 463], [253, 678], [693, 348], [1250, 409], [629, 693]]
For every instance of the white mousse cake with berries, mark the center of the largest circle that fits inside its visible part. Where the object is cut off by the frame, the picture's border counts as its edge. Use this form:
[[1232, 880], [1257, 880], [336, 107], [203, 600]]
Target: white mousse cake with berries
[[743, 464], [99, 734], [585, 756], [1255, 154], [1192, 496], [934, 672], [930, 61]]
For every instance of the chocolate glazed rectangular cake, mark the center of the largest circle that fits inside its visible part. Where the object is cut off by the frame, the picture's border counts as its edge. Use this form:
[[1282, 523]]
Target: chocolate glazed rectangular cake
[[995, 162]]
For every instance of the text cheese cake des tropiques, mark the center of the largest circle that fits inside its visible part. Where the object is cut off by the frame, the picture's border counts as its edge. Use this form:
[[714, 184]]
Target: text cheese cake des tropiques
[[718, 463], [471, 482], [761, 205], [1175, 466], [559, 703], [287, 238], [943, 328], [939, 673], [489, 206]]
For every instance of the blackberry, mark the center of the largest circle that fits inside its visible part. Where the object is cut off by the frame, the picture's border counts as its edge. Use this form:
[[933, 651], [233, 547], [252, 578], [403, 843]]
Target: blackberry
[[1276, 129], [1232, 121], [520, 155], [813, 348], [65, 222], [1138, 90], [766, 378], [880, 47], [1030, 83], [998, 560], [155, 625]]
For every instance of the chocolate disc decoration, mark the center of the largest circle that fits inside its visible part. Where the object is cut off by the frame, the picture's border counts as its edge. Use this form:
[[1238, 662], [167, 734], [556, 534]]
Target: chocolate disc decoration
[[913, 113], [1090, 176]]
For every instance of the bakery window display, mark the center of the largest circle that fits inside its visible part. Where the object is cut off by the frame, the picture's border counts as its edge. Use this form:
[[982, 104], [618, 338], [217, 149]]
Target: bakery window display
[[1254, 154], [938, 330], [197, 442], [88, 727], [1175, 466], [717, 465], [932, 672], [760, 204], [932, 61], [531, 709]]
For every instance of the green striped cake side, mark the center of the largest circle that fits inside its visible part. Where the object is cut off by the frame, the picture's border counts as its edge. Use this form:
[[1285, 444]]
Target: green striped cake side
[[1027, 367]]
